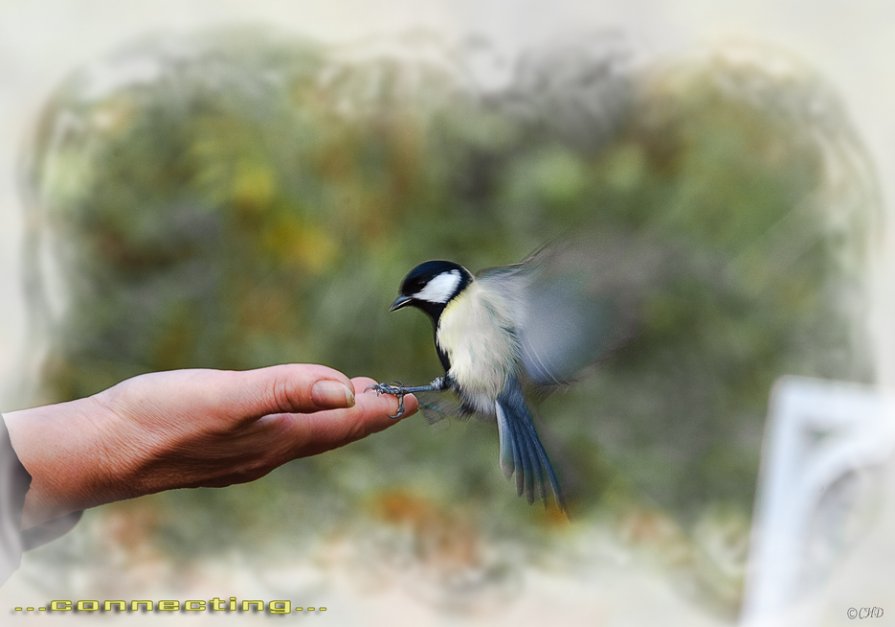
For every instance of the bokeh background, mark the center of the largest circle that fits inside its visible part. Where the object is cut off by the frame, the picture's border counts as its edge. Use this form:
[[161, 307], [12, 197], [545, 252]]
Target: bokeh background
[[217, 186]]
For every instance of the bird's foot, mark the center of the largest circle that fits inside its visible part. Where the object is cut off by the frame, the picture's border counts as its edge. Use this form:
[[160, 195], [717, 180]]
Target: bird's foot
[[398, 391]]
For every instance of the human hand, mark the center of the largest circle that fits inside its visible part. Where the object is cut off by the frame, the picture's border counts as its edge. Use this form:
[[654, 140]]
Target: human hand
[[188, 428]]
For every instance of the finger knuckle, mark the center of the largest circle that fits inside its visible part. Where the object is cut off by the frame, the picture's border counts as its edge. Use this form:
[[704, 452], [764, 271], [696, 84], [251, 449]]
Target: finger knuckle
[[286, 398]]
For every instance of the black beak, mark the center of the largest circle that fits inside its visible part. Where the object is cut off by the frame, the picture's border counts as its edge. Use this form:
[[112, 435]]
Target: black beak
[[401, 301]]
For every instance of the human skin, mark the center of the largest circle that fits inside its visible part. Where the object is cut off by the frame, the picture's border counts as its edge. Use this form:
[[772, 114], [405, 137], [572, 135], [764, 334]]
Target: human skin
[[188, 428]]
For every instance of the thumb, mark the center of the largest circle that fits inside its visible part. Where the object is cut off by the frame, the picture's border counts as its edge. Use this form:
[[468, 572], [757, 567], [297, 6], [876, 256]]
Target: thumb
[[287, 388]]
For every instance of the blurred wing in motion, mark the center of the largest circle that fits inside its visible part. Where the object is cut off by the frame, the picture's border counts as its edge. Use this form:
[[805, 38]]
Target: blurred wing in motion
[[436, 406], [577, 299]]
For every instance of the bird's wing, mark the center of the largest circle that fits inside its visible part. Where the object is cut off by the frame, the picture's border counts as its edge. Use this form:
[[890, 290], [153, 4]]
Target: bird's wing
[[574, 301], [521, 451], [437, 406]]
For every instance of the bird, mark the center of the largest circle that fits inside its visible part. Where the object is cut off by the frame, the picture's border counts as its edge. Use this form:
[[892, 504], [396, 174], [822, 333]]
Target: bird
[[495, 332], [534, 326]]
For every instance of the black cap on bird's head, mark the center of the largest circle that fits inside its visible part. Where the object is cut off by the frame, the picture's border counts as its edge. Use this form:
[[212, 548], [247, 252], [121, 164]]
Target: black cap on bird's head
[[431, 285]]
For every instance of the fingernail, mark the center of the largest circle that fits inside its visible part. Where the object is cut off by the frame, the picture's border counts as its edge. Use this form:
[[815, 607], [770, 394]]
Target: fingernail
[[332, 394]]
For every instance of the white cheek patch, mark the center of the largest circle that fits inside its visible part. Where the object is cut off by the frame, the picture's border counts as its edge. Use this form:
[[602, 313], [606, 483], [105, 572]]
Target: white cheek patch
[[441, 288]]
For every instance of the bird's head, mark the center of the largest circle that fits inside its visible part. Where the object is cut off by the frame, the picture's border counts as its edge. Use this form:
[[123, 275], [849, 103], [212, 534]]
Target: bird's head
[[431, 285]]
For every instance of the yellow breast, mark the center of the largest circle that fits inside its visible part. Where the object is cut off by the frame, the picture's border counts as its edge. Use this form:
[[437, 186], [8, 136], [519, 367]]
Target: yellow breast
[[476, 331]]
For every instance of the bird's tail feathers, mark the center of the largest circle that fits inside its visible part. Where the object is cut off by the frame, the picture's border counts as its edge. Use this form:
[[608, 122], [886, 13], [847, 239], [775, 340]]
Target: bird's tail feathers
[[521, 451]]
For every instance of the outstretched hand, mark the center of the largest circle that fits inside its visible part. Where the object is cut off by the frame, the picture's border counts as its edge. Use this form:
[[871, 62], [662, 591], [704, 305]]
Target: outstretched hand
[[188, 428]]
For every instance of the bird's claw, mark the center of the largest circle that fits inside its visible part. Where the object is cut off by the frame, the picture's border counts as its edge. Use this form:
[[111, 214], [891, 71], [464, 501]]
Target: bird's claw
[[394, 390]]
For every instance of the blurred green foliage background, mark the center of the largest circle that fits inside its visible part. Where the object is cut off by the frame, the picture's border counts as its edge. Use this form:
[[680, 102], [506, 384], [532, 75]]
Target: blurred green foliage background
[[243, 198]]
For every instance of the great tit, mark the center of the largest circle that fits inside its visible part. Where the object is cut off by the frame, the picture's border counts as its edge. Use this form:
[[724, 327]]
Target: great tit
[[489, 334], [537, 324]]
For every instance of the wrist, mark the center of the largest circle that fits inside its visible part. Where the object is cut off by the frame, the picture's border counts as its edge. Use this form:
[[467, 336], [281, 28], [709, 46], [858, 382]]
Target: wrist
[[59, 447]]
